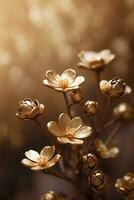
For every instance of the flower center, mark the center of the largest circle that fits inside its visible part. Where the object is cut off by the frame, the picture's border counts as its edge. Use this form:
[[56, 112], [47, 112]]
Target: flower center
[[63, 83], [42, 162], [69, 132]]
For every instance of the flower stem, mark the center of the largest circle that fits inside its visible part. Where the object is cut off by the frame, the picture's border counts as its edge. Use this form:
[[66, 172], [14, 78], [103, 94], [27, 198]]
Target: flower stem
[[106, 113], [67, 103], [113, 134]]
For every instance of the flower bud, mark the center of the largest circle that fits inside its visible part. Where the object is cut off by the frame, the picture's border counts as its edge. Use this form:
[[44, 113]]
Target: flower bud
[[123, 112], [75, 95], [91, 107], [29, 109], [125, 186], [97, 180], [114, 88], [89, 163]]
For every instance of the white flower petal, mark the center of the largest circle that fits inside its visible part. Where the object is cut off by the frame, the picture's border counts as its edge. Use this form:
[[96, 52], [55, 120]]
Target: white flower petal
[[76, 123], [32, 155], [64, 121], [69, 75], [113, 152], [62, 140], [53, 76], [78, 81], [53, 161], [48, 83], [28, 163], [37, 168], [47, 152], [54, 128], [75, 141], [83, 132]]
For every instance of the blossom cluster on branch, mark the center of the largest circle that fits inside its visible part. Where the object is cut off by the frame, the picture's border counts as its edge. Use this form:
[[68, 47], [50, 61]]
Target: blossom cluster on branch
[[80, 162]]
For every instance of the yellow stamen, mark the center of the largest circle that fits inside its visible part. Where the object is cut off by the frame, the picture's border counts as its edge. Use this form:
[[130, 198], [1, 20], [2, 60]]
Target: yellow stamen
[[63, 83]]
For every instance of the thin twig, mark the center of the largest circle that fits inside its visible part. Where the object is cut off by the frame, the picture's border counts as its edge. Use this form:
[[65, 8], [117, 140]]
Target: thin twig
[[67, 104], [60, 175], [113, 134]]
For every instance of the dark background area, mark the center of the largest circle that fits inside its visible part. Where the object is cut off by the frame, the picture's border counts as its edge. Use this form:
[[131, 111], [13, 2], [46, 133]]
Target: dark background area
[[38, 35]]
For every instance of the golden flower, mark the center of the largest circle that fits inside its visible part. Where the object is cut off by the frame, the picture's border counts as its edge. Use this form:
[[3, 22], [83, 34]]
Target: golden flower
[[41, 161], [29, 109], [51, 195], [105, 151], [75, 95], [89, 162], [114, 88], [97, 180], [91, 107], [125, 185], [64, 82], [69, 130], [95, 60], [124, 112]]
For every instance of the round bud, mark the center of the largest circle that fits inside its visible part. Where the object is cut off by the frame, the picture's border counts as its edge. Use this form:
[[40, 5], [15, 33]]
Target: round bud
[[91, 107], [89, 163], [97, 180]]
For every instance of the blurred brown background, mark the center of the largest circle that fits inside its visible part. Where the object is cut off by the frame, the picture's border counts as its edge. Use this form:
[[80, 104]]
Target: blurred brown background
[[36, 35]]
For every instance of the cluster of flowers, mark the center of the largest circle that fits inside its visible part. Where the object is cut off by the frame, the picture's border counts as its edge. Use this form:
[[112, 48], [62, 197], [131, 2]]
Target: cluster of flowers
[[69, 129]]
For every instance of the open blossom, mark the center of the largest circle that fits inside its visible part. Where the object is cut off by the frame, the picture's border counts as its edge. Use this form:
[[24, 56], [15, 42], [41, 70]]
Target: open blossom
[[69, 130], [114, 88], [95, 60], [64, 82], [104, 151], [41, 161], [29, 109]]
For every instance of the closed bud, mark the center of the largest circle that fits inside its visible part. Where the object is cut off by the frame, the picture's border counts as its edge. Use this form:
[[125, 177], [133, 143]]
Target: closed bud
[[89, 163], [114, 88], [125, 185], [29, 109], [91, 107], [75, 95], [97, 180]]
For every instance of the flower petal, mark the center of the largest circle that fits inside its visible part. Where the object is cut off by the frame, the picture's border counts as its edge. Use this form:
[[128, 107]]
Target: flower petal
[[53, 161], [53, 76], [64, 121], [37, 168], [83, 132], [32, 155], [76, 123], [69, 75], [48, 83], [78, 81], [47, 152], [54, 128], [75, 141], [62, 140], [28, 162], [113, 152]]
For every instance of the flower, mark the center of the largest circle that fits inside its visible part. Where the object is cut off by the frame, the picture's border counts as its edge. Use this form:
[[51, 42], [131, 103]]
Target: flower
[[125, 186], [97, 180], [104, 151], [51, 195], [89, 162], [95, 60], [114, 88], [124, 111], [41, 161], [69, 130], [91, 107], [29, 109], [64, 82]]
